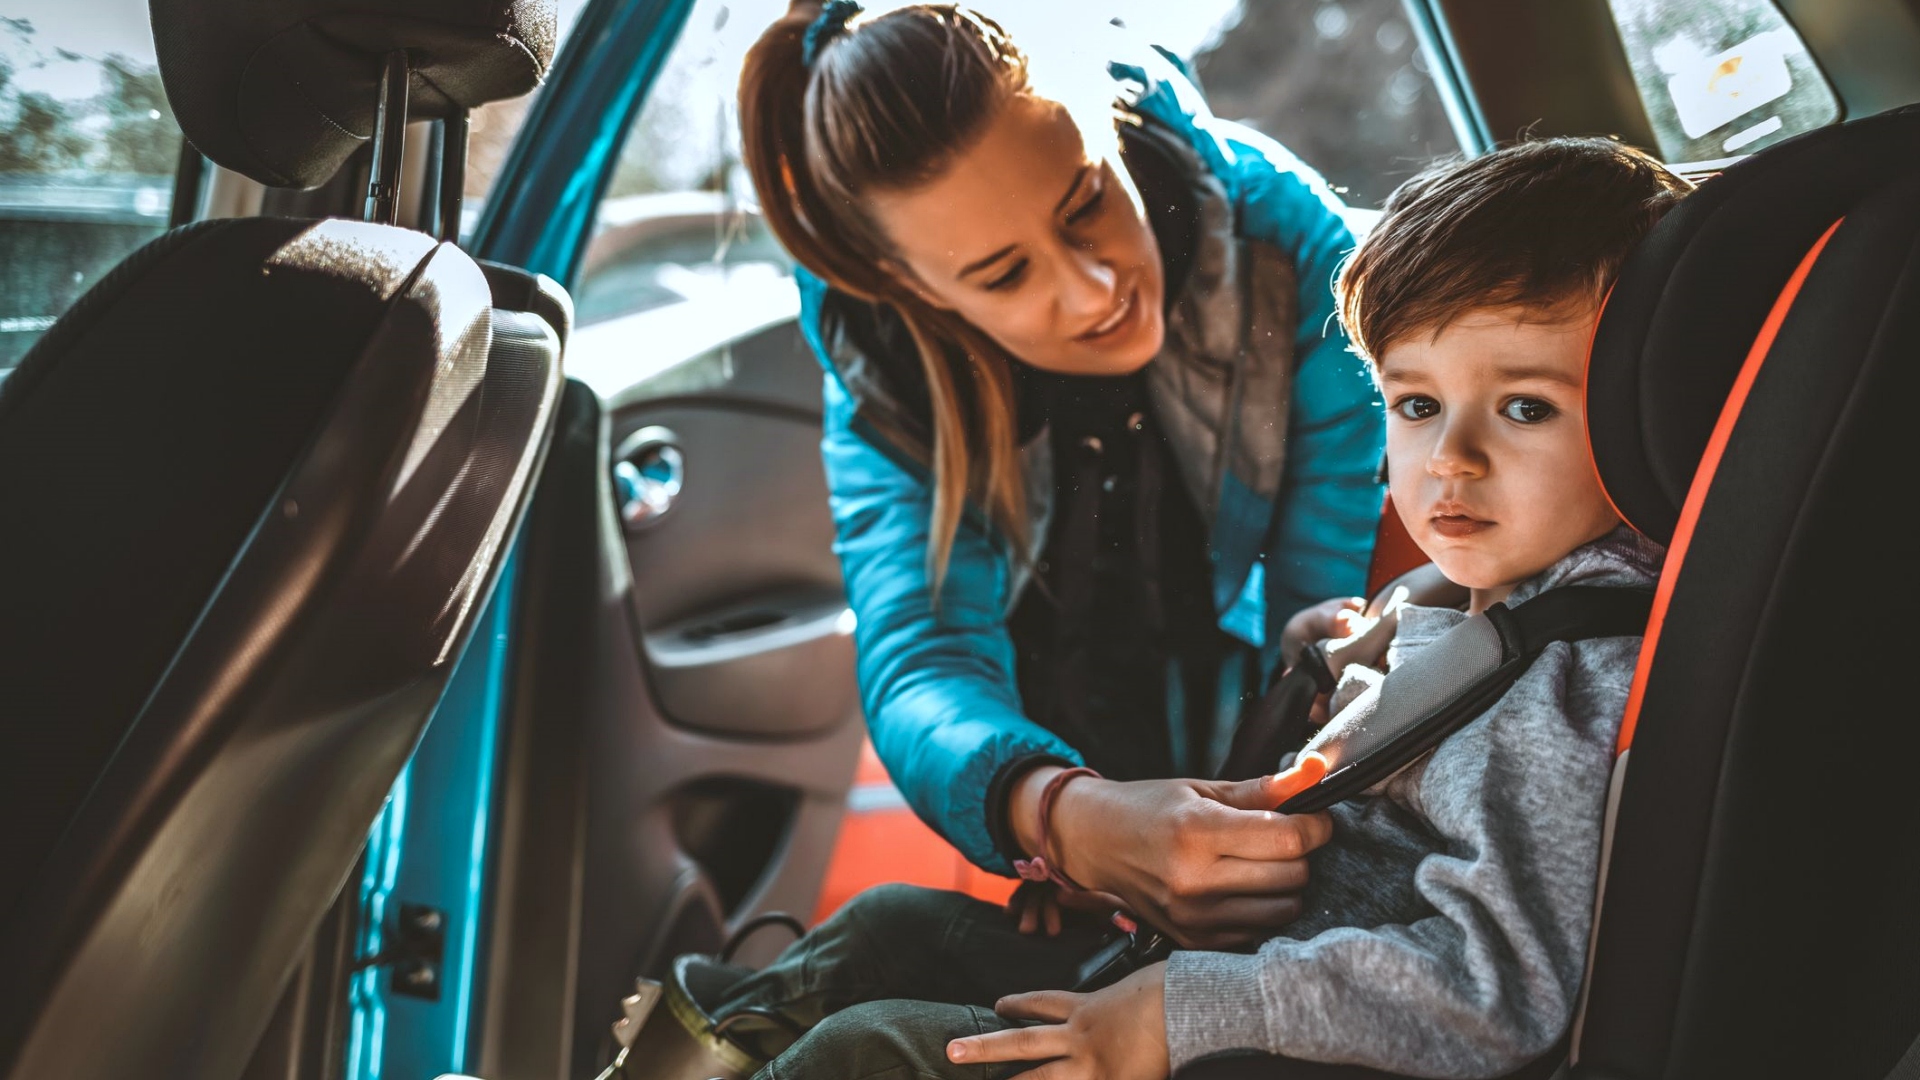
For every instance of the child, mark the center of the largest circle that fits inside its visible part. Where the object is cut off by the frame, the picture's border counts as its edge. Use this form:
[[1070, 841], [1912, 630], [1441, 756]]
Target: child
[[1445, 925]]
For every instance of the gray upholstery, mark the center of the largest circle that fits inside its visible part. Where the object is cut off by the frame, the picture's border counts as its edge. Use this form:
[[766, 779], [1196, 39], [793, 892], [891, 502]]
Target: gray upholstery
[[285, 90]]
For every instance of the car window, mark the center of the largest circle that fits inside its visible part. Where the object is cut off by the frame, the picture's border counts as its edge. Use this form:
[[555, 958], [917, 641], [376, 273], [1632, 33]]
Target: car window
[[495, 125], [674, 225], [1345, 84], [1721, 78], [88, 149], [1342, 83]]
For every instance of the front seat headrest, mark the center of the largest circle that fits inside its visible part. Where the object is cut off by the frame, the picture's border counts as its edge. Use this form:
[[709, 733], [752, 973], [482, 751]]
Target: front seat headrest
[[284, 90], [1691, 299]]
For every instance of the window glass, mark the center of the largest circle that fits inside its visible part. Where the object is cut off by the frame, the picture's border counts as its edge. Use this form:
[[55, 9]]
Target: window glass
[[1342, 83], [679, 254], [1721, 78], [495, 125], [674, 225], [88, 149]]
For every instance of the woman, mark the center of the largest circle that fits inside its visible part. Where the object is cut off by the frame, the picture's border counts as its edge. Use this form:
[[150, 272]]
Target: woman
[[1092, 434], [1092, 437]]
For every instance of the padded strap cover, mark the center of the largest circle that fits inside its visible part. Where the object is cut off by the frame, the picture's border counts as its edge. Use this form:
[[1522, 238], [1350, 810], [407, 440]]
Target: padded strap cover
[[1446, 685]]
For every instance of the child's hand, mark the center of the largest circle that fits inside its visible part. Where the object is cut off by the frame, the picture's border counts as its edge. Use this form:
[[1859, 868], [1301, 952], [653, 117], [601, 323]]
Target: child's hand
[[1326, 619], [1119, 1033]]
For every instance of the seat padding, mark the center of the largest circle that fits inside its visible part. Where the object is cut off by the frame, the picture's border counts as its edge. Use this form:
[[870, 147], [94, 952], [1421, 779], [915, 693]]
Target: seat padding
[[235, 654], [1692, 296], [1759, 902], [285, 91], [140, 442]]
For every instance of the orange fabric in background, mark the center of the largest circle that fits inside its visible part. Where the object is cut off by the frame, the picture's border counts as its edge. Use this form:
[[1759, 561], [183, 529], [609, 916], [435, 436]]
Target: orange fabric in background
[[890, 844], [1394, 552]]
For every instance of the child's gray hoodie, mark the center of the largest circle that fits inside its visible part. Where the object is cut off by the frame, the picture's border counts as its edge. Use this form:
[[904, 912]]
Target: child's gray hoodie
[[1446, 923]]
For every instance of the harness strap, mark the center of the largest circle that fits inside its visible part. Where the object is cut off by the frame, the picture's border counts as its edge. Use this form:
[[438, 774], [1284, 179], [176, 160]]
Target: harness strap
[[1443, 687]]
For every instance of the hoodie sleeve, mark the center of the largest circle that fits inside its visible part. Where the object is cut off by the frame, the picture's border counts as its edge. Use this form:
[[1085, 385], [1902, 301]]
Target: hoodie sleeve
[[1330, 498], [1486, 978], [937, 682]]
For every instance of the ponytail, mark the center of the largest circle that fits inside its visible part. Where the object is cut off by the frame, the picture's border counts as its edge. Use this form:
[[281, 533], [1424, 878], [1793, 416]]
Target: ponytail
[[858, 119]]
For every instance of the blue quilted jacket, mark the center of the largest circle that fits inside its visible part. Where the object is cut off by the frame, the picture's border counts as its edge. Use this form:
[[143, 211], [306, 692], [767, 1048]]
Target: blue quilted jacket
[[1275, 423]]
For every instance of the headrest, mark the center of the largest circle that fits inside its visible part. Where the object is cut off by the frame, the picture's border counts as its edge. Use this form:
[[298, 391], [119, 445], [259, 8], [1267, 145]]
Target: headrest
[[1691, 299], [284, 90]]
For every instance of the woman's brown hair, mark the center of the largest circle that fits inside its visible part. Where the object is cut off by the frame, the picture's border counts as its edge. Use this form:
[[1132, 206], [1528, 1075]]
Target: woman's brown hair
[[885, 105]]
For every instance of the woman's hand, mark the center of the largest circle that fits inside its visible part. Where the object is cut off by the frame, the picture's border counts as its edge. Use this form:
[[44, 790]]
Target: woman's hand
[[1119, 1033], [1207, 861]]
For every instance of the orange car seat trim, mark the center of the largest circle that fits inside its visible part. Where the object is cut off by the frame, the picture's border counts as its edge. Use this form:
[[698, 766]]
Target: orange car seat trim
[[1703, 478], [1586, 412]]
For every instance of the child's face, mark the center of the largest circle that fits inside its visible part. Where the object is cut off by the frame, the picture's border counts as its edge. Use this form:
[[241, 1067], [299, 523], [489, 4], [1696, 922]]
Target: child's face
[[1487, 445]]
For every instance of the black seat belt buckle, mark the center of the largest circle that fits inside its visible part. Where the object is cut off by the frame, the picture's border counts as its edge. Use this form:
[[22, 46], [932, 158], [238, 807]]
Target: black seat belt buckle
[[1121, 956], [1314, 659]]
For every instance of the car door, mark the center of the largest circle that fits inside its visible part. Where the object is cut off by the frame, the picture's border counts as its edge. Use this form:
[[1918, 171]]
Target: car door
[[686, 720]]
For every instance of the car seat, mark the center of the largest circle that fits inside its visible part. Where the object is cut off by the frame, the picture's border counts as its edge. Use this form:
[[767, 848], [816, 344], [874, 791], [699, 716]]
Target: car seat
[[258, 484], [1744, 393]]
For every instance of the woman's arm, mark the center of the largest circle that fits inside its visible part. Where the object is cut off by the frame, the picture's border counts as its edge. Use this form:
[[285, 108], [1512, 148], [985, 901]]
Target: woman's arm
[[1208, 861], [1330, 499], [937, 685]]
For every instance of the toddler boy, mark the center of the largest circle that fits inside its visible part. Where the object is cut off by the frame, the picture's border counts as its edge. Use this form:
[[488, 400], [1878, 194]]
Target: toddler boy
[[1446, 923]]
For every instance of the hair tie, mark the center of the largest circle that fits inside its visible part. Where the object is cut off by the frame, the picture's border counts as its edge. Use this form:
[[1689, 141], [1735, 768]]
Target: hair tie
[[826, 26]]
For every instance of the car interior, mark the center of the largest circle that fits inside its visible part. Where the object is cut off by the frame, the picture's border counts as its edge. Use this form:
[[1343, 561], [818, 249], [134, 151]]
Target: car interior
[[394, 670]]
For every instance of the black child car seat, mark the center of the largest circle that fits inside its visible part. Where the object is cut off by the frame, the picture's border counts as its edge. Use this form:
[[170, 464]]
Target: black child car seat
[[257, 485], [1746, 397]]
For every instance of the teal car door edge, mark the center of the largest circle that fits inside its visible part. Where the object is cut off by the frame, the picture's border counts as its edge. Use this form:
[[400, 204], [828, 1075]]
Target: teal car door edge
[[424, 876], [429, 853], [544, 201]]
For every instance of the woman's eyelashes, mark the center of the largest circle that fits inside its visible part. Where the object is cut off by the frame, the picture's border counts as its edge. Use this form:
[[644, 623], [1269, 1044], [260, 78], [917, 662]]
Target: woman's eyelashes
[[1088, 208], [1008, 277]]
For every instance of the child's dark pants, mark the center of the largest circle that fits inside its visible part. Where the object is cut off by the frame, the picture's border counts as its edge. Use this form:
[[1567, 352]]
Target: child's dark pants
[[882, 986]]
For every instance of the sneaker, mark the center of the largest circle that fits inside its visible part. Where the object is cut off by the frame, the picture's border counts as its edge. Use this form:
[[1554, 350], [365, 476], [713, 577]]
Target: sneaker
[[684, 1041]]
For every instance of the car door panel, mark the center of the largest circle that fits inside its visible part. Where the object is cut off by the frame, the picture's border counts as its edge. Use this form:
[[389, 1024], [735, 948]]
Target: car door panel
[[720, 726]]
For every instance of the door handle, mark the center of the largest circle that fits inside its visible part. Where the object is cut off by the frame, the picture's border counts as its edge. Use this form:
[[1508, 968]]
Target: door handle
[[649, 471], [770, 667]]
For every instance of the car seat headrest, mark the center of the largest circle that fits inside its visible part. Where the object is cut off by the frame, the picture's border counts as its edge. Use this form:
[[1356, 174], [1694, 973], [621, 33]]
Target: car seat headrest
[[1691, 299], [284, 90]]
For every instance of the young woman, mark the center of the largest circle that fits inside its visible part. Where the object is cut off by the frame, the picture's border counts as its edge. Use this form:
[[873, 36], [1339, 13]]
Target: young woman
[[1092, 437], [1092, 433]]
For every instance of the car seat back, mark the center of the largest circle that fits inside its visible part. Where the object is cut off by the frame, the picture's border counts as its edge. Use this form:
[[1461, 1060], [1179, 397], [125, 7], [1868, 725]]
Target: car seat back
[[1743, 399], [258, 484]]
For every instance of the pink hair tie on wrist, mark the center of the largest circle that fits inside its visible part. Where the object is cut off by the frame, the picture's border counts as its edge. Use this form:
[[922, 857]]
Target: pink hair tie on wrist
[[1043, 868], [1046, 866]]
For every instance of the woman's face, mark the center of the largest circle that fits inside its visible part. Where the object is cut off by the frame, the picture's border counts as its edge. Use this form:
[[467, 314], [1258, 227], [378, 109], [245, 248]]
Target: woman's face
[[1036, 242]]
